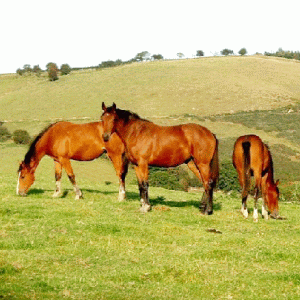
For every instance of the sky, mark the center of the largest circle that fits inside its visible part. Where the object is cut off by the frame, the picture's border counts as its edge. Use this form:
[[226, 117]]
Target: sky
[[85, 33]]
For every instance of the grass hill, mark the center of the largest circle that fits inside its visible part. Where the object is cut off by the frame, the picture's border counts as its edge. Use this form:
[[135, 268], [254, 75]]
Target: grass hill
[[226, 94], [98, 248]]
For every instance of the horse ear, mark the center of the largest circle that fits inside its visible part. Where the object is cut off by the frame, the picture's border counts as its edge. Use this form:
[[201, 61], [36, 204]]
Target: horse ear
[[114, 106], [103, 106], [277, 182]]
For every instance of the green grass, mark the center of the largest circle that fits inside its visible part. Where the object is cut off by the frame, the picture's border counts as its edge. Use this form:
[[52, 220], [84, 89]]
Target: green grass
[[98, 248]]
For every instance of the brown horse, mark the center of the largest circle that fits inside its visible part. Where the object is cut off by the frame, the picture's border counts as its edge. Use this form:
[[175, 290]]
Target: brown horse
[[165, 146], [252, 157], [64, 141]]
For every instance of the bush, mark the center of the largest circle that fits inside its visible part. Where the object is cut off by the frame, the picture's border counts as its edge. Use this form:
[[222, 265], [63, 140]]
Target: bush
[[65, 69], [4, 134], [20, 72], [52, 71], [228, 180], [226, 52], [21, 137], [37, 70], [243, 51]]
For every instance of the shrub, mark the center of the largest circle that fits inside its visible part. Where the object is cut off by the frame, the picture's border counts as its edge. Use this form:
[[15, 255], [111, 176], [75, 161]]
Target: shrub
[[228, 180], [226, 52], [21, 137], [165, 178], [243, 51], [52, 71], [20, 72], [65, 69], [37, 70], [4, 134]]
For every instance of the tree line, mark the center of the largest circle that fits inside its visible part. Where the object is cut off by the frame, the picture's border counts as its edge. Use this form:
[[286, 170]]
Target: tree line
[[53, 70]]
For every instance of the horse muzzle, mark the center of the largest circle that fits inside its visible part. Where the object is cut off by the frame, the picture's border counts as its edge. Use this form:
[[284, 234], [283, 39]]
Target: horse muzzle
[[274, 214], [106, 137], [22, 193]]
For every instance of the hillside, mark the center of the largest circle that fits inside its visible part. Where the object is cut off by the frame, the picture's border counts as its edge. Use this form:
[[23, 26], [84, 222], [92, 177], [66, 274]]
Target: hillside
[[203, 86], [168, 92]]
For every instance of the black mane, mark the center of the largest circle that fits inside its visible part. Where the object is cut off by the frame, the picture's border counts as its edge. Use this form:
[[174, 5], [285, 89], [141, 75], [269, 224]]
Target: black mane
[[127, 115], [31, 151]]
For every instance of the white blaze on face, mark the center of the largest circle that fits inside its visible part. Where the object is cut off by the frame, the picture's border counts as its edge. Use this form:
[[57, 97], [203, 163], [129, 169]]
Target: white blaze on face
[[18, 183]]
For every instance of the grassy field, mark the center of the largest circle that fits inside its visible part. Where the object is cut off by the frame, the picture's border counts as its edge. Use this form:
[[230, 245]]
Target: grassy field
[[99, 248]]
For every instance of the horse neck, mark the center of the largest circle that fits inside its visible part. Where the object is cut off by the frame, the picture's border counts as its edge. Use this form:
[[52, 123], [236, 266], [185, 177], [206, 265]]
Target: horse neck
[[269, 181], [123, 129], [36, 155]]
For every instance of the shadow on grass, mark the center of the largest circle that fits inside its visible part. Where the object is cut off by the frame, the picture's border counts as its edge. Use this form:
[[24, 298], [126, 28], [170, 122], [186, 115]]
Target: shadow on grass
[[133, 196], [37, 191], [161, 200]]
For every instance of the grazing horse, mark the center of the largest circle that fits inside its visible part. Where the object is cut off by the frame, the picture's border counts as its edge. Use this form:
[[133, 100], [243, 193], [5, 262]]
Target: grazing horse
[[64, 141], [165, 146], [251, 157]]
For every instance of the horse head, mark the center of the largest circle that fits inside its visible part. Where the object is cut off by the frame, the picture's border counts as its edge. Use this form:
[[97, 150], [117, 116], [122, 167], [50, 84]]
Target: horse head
[[108, 119], [25, 180], [272, 197]]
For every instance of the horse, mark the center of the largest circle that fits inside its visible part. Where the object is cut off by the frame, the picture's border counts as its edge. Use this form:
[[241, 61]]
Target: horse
[[63, 141], [148, 144], [252, 157]]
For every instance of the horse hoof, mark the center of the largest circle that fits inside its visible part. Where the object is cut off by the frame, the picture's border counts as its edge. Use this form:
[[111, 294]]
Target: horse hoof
[[57, 194], [122, 198], [244, 213], [145, 208]]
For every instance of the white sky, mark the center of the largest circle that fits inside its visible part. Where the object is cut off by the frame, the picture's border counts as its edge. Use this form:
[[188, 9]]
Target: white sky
[[87, 32]]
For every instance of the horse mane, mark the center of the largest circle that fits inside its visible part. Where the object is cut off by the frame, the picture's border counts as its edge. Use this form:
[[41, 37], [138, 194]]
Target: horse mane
[[128, 115], [270, 169], [31, 151]]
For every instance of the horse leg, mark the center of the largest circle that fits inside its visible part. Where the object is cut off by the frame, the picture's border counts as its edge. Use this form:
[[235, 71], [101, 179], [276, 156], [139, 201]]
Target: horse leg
[[142, 176], [257, 188], [121, 166], [203, 172], [245, 193], [67, 166], [58, 174], [264, 207], [264, 211]]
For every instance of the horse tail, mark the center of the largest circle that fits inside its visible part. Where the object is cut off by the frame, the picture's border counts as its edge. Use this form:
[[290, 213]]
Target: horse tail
[[214, 164], [247, 175]]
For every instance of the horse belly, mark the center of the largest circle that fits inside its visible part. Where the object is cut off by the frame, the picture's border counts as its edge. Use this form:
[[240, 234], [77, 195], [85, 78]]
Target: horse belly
[[169, 157]]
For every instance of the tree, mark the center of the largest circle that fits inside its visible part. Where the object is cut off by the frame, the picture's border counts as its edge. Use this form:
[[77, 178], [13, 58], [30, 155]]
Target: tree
[[20, 72], [52, 71], [49, 65], [37, 70], [243, 51], [27, 68], [144, 55], [65, 69], [226, 52], [180, 55], [157, 56], [200, 53]]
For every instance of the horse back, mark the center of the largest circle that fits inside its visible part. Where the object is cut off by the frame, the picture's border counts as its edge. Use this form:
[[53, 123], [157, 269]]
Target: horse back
[[76, 141], [169, 145], [250, 150]]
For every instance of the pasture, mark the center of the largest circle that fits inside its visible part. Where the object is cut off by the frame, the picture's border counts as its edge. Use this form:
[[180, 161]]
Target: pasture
[[99, 248]]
